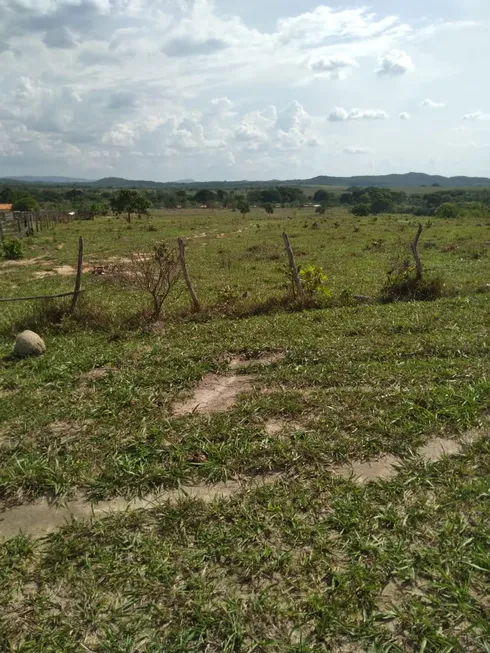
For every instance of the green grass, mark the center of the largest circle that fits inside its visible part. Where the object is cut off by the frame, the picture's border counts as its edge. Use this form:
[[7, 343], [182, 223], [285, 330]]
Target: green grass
[[310, 563]]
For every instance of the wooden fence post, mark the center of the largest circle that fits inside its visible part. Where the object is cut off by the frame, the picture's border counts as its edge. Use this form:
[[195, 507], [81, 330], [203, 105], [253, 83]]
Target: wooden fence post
[[78, 280], [196, 307], [294, 269], [418, 263]]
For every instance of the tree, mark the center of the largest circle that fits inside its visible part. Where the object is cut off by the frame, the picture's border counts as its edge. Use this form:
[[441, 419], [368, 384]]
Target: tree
[[243, 207], [129, 201], [321, 196], [380, 205], [6, 196], [26, 203], [204, 196], [360, 210], [447, 210], [269, 208], [346, 198]]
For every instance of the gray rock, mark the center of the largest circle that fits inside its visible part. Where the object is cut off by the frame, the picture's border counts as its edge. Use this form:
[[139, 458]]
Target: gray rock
[[29, 343]]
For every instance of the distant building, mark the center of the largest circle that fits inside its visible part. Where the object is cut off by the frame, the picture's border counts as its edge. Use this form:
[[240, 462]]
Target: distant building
[[5, 207]]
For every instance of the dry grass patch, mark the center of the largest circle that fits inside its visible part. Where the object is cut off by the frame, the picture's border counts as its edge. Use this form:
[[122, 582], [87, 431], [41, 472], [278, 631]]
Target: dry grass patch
[[240, 362]]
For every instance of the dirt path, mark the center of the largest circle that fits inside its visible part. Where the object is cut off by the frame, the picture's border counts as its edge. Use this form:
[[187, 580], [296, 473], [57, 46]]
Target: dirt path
[[41, 518]]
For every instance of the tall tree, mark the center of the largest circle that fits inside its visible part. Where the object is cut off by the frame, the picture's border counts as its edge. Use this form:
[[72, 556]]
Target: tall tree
[[129, 202]]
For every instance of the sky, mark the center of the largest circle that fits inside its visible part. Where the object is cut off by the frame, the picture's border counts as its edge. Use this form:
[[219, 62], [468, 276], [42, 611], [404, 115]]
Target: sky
[[243, 89]]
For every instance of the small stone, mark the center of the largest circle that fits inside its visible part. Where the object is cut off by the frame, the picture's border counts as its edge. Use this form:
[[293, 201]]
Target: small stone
[[29, 343]]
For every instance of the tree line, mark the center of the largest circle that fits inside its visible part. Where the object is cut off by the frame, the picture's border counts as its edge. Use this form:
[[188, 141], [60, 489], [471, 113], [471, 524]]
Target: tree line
[[360, 201]]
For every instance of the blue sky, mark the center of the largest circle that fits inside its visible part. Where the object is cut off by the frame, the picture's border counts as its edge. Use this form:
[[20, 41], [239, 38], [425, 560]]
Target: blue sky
[[228, 89]]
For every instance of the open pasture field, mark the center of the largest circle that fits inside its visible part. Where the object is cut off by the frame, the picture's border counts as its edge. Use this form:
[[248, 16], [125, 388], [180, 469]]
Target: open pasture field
[[253, 478]]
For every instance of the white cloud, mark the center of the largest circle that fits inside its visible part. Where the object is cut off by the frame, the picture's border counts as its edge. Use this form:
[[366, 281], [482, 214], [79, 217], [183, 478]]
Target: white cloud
[[333, 67], [477, 115], [193, 87], [404, 115], [368, 114], [394, 63], [432, 104], [339, 114], [351, 149]]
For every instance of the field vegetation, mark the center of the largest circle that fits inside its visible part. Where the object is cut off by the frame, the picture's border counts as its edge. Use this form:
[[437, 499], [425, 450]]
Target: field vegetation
[[265, 474]]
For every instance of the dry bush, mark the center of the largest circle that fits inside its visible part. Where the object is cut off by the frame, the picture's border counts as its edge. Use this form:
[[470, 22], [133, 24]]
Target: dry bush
[[155, 273]]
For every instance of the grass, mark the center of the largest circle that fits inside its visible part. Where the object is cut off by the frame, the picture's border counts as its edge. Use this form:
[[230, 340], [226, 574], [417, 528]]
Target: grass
[[310, 563]]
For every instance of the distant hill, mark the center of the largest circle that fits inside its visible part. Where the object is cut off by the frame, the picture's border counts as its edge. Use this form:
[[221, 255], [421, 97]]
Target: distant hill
[[409, 180], [50, 180]]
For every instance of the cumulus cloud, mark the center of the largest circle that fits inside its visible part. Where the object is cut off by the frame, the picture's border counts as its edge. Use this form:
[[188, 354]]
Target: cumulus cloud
[[394, 63], [122, 100], [339, 114], [432, 104], [477, 115], [404, 116], [188, 47], [138, 76], [60, 37], [351, 149], [333, 67]]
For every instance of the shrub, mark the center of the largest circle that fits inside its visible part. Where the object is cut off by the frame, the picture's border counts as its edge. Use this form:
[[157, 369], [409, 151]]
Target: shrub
[[320, 210], [402, 285], [314, 281], [448, 210], [13, 249], [155, 273], [229, 296], [26, 203], [361, 210]]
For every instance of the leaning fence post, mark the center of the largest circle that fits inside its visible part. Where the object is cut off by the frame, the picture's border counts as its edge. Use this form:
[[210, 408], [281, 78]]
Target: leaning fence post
[[294, 269], [418, 263], [78, 280], [195, 302]]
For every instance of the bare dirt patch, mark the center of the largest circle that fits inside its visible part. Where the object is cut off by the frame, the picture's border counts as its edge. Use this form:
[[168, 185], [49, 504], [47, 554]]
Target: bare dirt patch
[[276, 427], [438, 448], [95, 374], [4, 392], [240, 362], [41, 518], [69, 429], [214, 394], [392, 595], [382, 469]]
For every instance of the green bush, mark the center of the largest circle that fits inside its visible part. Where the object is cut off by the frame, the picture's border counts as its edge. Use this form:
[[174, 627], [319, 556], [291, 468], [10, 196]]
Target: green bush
[[448, 210], [26, 203], [404, 286], [314, 281], [13, 249], [361, 210]]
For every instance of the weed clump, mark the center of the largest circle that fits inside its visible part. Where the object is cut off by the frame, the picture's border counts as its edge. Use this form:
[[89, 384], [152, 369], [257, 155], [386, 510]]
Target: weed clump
[[12, 249], [403, 285]]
